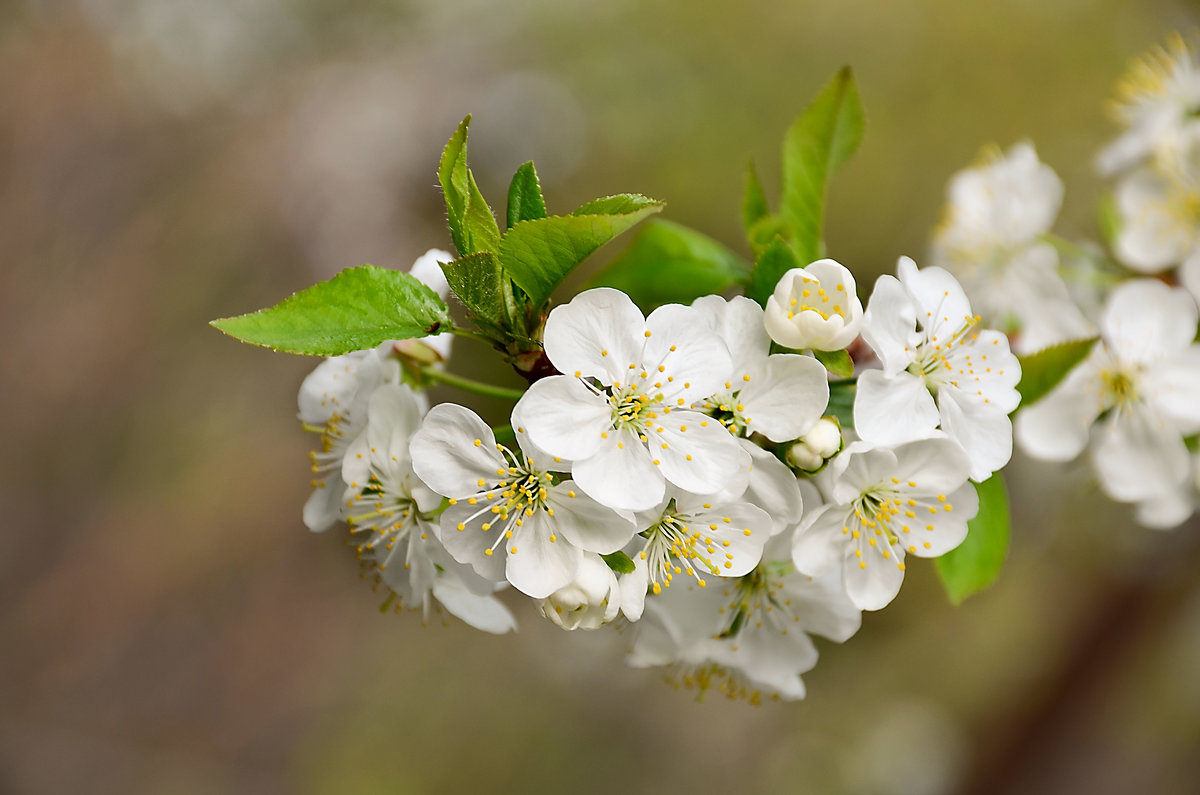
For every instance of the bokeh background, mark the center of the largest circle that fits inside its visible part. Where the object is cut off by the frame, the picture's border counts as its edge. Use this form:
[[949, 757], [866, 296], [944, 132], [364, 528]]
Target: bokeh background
[[167, 623]]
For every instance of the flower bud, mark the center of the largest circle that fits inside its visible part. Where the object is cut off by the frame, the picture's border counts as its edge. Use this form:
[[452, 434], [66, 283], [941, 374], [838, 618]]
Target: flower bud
[[813, 449], [814, 307], [590, 601], [825, 438]]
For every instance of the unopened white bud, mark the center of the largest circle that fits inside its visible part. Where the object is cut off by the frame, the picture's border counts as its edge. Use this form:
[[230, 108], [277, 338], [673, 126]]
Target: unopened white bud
[[590, 601], [825, 438], [801, 456]]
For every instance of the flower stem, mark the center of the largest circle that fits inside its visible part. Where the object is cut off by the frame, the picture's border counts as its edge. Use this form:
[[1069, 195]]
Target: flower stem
[[468, 385], [459, 331]]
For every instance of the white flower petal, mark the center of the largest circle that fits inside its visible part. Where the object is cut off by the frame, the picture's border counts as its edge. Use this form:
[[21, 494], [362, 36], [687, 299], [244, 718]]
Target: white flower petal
[[323, 509], [563, 417], [597, 334], [890, 325], [468, 545], [739, 323], [940, 524], [772, 487], [536, 565], [785, 395], [818, 544], [586, 523], [697, 453], [893, 410], [1173, 388], [941, 304], [1138, 456], [681, 343], [937, 466], [620, 474], [481, 612], [1055, 428], [875, 585], [453, 450], [1153, 234], [984, 430], [1145, 320]]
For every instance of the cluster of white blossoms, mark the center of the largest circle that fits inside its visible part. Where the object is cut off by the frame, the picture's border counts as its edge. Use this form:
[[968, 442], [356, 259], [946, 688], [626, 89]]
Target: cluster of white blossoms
[[723, 479], [682, 473], [1133, 401]]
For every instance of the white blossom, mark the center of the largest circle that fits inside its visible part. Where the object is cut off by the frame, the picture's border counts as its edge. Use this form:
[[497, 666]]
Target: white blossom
[[1157, 99], [938, 370], [745, 637], [621, 416], [883, 503], [391, 507], [991, 239], [509, 502], [814, 307], [1135, 397], [589, 601]]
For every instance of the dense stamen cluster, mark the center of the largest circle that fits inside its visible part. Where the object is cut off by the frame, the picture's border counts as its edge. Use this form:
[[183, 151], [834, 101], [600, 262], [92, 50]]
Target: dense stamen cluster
[[673, 547], [516, 496]]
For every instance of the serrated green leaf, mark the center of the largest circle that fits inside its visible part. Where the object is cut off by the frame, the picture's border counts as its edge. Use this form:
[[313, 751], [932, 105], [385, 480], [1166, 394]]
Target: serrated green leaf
[[974, 564], [754, 200], [775, 260], [817, 143], [1043, 370], [483, 233], [539, 254], [525, 200], [837, 362], [452, 174], [620, 204], [479, 282], [669, 263], [841, 402], [619, 562], [472, 225], [357, 309]]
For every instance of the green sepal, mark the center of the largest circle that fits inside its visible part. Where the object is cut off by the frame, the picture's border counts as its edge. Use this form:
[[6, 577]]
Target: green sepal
[[1043, 370], [357, 309], [669, 263], [818, 142], [975, 563], [837, 362], [525, 200], [539, 254], [619, 562], [472, 225], [754, 200], [774, 261]]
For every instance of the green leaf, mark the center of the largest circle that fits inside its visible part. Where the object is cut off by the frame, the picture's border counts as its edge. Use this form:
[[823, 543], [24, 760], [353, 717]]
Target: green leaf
[[1042, 371], [764, 231], [357, 309], [479, 282], [525, 200], [775, 260], [837, 362], [619, 562], [472, 225], [754, 200], [974, 564], [817, 143], [620, 204], [539, 254], [669, 263], [841, 402]]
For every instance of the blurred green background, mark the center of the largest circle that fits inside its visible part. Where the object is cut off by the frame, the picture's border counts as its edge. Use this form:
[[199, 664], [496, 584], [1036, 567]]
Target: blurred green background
[[169, 626]]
